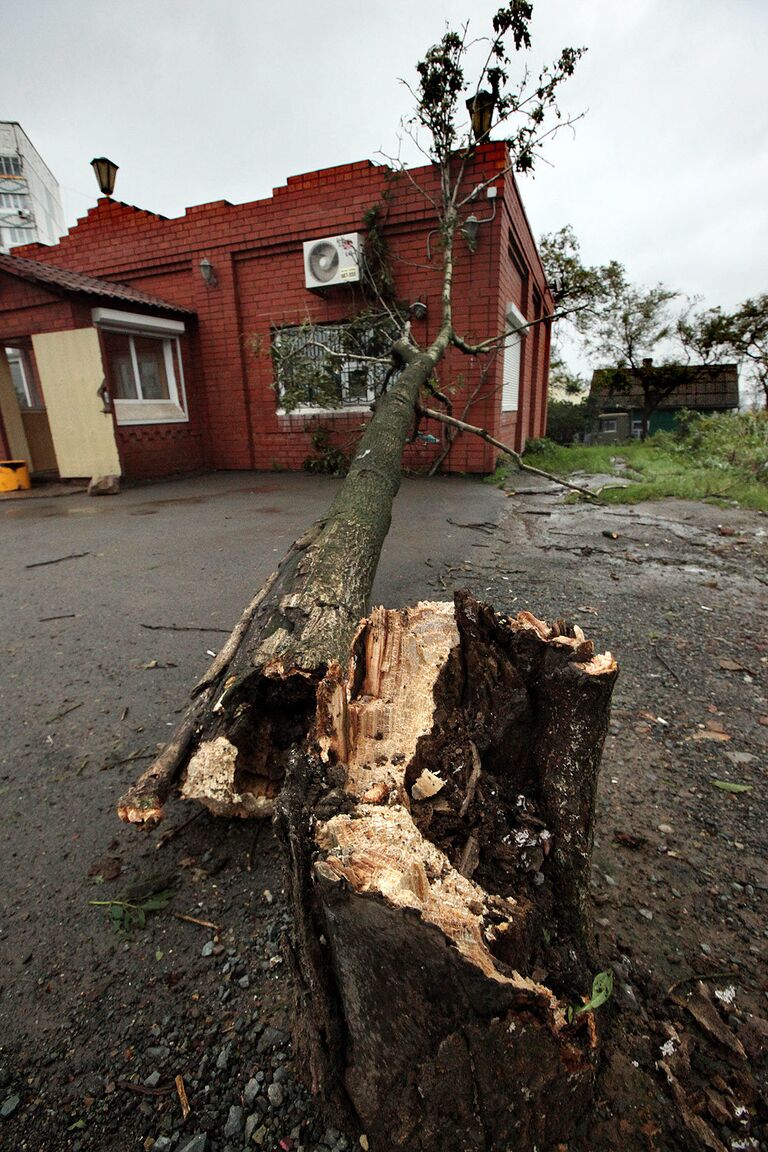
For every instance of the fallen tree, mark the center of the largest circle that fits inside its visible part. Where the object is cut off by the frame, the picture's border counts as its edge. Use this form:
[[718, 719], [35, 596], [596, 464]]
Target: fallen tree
[[432, 773]]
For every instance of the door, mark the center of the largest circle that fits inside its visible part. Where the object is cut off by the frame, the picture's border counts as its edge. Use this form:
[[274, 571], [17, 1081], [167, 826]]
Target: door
[[71, 375]]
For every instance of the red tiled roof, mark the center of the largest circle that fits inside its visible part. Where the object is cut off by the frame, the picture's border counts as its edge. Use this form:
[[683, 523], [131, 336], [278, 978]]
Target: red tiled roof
[[62, 279]]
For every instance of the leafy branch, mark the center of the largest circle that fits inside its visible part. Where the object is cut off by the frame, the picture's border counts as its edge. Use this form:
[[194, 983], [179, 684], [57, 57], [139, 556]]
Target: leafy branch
[[125, 915]]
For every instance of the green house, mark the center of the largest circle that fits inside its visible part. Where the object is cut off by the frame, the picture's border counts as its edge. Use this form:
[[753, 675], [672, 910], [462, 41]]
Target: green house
[[621, 395]]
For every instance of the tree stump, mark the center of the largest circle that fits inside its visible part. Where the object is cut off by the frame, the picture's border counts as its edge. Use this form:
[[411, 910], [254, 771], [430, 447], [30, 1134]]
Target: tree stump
[[438, 821]]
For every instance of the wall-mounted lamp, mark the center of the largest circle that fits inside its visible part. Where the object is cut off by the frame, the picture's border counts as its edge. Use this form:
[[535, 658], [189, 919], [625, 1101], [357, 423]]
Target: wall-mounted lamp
[[480, 108], [207, 272], [469, 228], [472, 223], [106, 171], [418, 309]]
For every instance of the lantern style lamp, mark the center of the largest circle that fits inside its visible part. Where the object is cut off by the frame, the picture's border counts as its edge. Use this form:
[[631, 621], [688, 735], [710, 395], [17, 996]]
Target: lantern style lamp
[[105, 171], [470, 228], [207, 272], [480, 108]]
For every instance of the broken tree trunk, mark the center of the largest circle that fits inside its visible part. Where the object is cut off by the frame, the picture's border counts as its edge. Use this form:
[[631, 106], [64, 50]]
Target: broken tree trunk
[[435, 794], [301, 621], [439, 823]]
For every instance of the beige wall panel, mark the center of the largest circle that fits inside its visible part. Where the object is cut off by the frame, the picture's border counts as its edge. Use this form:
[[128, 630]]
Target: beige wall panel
[[9, 406], [70, 370]]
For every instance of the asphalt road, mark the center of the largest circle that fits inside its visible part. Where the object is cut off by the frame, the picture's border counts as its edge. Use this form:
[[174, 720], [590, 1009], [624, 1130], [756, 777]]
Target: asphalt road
[[86, 684]]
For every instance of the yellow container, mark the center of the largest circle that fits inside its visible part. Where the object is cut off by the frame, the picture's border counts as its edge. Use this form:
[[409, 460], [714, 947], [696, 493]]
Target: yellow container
[[14, 474]]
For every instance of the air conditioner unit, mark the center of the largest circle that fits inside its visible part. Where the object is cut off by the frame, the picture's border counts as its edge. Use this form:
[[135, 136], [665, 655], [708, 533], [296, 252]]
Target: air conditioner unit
[[332, 260]]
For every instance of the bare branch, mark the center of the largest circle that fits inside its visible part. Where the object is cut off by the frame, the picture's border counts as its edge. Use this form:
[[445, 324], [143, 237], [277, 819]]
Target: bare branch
[[484, 434], [494, 342]]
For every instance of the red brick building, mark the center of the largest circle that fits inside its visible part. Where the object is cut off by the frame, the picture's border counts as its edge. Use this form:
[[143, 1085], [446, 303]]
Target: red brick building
[[142, 345]]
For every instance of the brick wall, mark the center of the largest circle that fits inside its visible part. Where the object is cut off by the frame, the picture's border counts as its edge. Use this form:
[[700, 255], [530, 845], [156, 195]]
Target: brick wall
[[256, 252]]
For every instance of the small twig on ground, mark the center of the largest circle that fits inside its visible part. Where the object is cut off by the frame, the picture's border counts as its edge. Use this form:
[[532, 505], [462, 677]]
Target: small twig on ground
[[133, 756], [668, 667], [478, 526], [64, 616], [58, 560], [535, 512], [66, 712], [182, 628], [700, 976], [183, 1100], [194, 920], [532, 492], [143, 1090], [169, 835]]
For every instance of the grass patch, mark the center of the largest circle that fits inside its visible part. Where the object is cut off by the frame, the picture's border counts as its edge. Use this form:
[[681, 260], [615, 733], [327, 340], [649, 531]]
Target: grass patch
[[721, 458]]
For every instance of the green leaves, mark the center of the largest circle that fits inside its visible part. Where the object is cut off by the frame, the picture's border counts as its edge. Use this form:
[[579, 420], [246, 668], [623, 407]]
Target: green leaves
[[602, 990], [730, 786], [124, 915]]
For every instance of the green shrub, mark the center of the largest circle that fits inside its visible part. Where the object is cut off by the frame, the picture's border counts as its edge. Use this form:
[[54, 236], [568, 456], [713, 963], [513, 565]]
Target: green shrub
[[721, 458], [568, 422], [329, 458]]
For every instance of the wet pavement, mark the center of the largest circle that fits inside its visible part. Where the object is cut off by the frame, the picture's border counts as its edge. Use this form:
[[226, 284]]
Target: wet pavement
[[94, 677]]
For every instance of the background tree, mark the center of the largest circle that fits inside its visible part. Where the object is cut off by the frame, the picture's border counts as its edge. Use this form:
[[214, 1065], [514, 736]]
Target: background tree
[[626, 326], [715, 335]]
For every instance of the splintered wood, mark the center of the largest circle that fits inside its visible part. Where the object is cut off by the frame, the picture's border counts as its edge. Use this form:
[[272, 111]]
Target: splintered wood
[[374, 729], [462, 751]]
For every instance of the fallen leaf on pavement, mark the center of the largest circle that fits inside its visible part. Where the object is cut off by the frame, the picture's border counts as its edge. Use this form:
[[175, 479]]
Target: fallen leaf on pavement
[[730, 786]]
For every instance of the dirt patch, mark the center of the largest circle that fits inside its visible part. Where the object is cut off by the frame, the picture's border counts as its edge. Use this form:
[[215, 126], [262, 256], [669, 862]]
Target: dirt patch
[[96, 1024]]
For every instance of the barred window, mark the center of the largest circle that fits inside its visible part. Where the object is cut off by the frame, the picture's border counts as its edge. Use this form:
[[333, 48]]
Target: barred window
[[10, 165], [322, 366]]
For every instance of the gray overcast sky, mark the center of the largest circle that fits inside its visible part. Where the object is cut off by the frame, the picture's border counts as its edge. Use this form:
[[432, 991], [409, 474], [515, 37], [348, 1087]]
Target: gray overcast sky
[[201, 100]]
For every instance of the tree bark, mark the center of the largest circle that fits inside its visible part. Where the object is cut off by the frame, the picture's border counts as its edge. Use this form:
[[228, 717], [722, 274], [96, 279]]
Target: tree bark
[[258, 694], [439, 826]]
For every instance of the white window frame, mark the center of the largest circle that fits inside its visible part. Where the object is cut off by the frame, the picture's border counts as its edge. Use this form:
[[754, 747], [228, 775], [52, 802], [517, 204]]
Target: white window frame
[[346, 367], [608, 424], [31, 402], [513, 358], [140, 411]]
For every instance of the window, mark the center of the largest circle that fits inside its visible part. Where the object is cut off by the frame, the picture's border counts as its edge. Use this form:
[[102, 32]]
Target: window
[[21, 235], [13, 200], [609, 425], [23, 380], [10, 166], [144, 367], [327, 366], [513, 345]]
